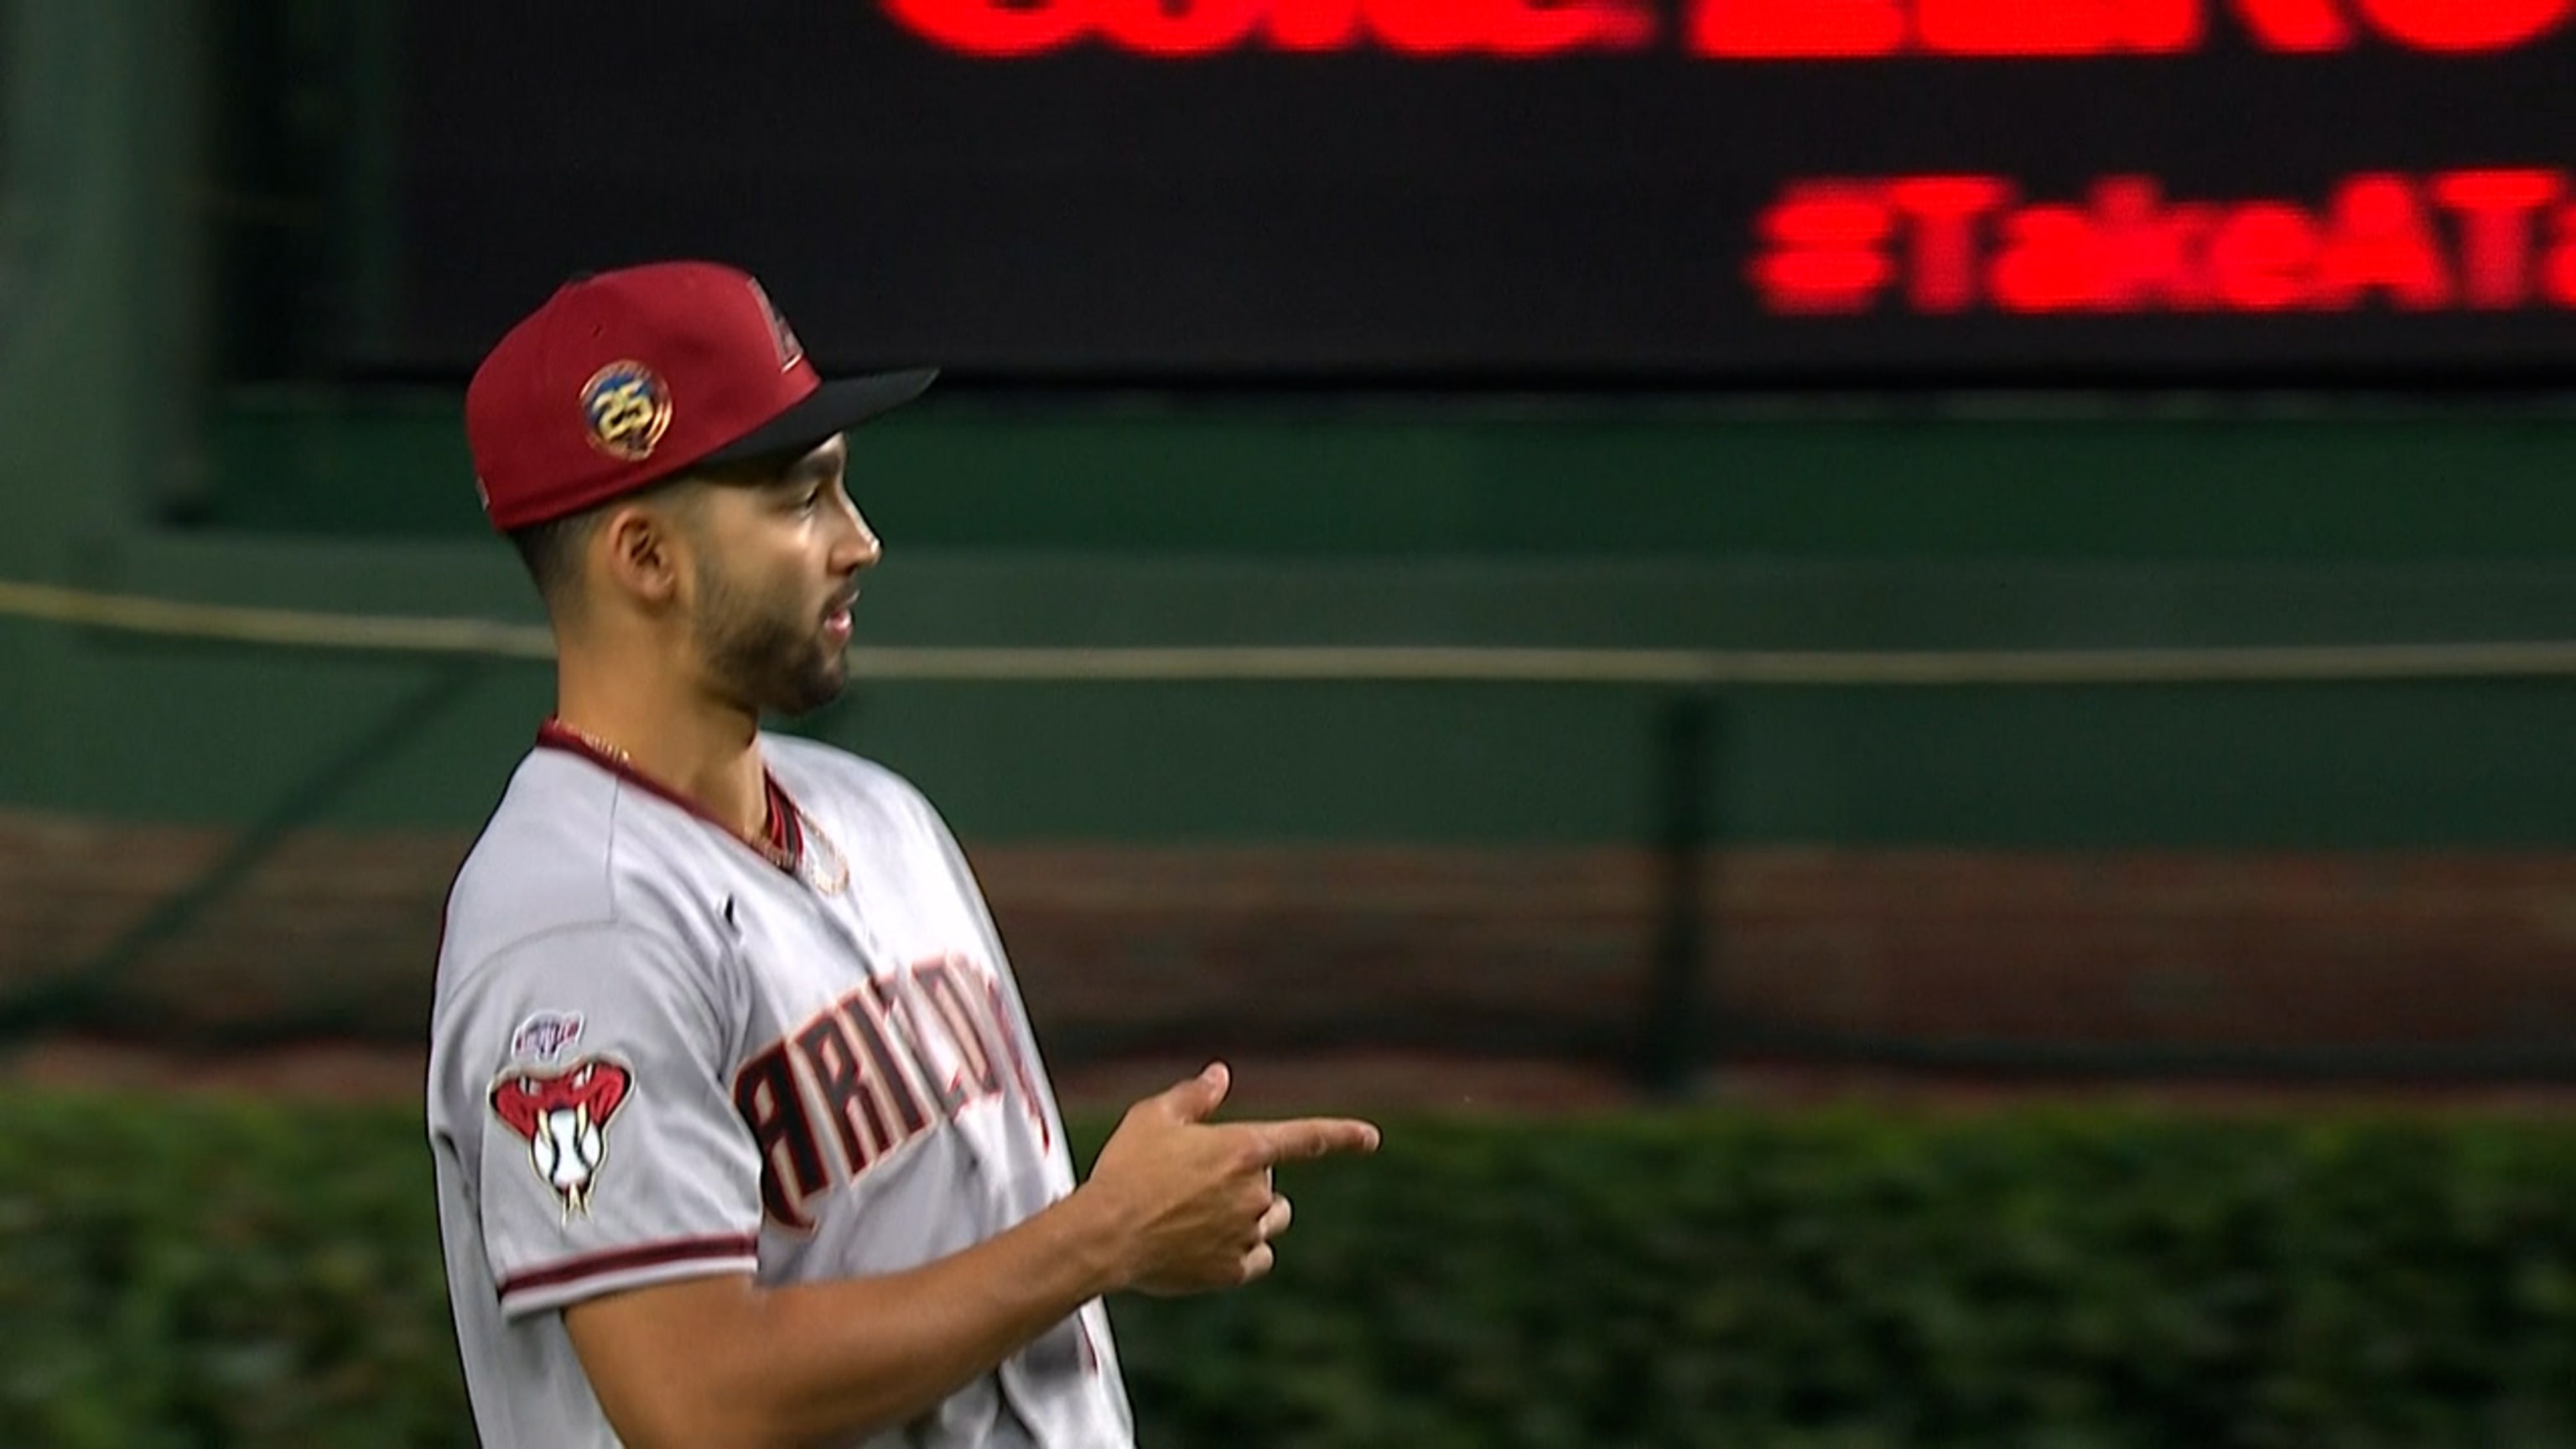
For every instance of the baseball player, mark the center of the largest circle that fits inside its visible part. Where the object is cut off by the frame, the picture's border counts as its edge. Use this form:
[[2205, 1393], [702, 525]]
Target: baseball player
[[741, 1135]]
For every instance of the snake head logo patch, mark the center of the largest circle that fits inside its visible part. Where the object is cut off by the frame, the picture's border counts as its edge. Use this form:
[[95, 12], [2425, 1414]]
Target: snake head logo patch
[[563, 1116], [628, 408]]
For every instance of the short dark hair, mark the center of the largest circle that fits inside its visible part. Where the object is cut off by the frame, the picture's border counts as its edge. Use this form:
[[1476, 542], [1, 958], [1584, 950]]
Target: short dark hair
[[552, 552], [552, 549]]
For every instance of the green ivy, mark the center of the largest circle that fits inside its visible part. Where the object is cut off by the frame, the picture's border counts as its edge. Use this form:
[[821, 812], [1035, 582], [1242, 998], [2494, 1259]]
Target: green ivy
[[254, 1273]]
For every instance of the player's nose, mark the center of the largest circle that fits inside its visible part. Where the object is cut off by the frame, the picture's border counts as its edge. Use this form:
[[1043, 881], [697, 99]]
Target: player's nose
[[858, 546]]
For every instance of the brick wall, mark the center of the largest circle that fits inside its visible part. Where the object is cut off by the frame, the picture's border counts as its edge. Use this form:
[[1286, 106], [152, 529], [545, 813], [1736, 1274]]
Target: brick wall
[[1529, 952]]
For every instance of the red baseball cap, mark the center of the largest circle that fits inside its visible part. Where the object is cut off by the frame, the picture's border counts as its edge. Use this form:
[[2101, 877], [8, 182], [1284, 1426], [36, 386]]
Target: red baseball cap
[[625, 378]]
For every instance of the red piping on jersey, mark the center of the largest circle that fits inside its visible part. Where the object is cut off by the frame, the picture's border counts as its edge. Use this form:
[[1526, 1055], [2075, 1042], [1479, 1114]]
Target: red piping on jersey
[[650, 1255], [784, 829]]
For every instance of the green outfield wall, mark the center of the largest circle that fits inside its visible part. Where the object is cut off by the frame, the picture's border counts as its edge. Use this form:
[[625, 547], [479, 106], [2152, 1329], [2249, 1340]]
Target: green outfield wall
[[1814, 523]]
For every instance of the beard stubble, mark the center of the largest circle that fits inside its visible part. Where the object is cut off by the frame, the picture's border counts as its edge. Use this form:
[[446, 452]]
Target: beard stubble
[[765, 648]]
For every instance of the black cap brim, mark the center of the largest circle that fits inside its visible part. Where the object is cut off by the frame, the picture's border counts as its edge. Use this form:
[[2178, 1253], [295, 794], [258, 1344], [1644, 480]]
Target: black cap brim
[[834, 407]]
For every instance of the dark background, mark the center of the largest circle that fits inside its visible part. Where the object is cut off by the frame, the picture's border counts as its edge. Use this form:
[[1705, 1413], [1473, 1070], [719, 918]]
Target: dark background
[[1370, 217]]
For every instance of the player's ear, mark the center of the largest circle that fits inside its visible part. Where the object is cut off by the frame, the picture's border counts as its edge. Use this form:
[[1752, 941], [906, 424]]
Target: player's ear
[[639, 553]]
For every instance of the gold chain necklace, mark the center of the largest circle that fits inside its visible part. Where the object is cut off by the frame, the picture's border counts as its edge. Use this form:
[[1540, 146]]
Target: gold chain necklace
[[826, 870]]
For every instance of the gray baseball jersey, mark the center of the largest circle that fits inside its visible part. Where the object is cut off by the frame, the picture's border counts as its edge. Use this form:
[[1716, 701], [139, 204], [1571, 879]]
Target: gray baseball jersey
[[657, 1053]]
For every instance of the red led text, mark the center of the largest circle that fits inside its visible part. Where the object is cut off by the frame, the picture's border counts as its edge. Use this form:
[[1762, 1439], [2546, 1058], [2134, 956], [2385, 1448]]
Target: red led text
[[1864, 29], [1188, 29], [1726, 29], [2487, 240]]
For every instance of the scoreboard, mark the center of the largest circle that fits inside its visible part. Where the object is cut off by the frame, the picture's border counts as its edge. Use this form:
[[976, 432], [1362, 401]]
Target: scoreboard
[[1763, 192]]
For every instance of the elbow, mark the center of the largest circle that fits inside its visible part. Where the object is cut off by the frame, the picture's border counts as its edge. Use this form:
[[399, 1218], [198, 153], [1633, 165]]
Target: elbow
[[694, 1435], [707, 1364], [684, 1366], [678, 1419]]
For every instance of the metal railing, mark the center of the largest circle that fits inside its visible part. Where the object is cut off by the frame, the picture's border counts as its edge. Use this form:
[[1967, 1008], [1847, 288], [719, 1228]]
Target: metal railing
[[1673, 1040]]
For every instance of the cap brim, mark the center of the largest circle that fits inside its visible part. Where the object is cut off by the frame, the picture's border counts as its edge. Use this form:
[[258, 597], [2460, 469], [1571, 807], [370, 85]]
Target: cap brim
[[835, 406]]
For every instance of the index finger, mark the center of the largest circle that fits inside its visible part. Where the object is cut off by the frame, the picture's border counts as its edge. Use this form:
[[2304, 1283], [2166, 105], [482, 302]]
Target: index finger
[[1314, 1137]]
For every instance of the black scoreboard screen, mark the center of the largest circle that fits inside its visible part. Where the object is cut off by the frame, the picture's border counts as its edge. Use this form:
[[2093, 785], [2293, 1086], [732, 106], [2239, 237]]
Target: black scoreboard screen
[[1769, 192]]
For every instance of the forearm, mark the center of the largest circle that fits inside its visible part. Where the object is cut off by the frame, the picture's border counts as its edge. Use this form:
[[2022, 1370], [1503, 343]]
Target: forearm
[[787, 1366]]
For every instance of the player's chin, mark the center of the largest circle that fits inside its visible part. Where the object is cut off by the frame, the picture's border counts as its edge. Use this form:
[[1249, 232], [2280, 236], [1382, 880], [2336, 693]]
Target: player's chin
[[832, 658], [820, 682]]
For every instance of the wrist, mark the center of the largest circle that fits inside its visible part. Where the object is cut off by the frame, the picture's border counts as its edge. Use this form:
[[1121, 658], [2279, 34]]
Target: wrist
[[1098, 1241]]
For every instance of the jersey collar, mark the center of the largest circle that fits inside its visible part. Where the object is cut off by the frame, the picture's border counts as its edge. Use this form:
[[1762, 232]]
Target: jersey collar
[[782, 839]]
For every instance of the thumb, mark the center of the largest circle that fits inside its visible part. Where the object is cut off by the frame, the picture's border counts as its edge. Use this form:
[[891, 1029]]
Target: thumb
[[1193, 1100]]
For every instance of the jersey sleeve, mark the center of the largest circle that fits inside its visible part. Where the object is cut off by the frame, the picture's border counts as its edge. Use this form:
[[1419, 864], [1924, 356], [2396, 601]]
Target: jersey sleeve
[[610, 1155]]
